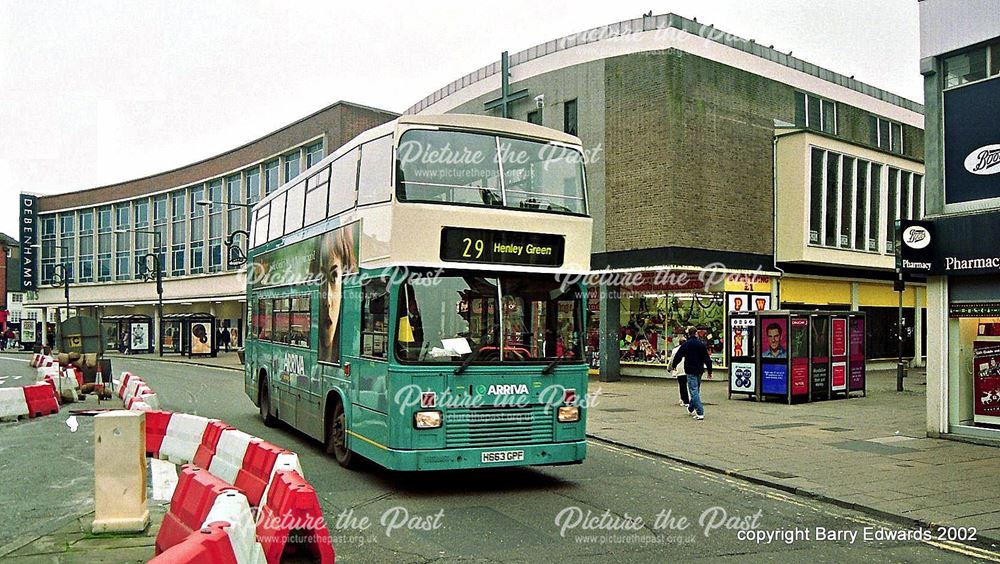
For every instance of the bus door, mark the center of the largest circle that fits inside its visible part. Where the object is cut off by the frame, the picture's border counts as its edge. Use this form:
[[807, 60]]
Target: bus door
[[300, 364], [370, 372], [282, 362]]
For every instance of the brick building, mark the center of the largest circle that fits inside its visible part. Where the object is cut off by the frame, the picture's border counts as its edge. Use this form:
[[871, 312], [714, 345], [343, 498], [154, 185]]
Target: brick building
[[102, 236], [707, 148]]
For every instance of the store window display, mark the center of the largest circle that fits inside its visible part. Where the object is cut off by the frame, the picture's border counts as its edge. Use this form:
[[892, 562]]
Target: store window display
[[652, 324]]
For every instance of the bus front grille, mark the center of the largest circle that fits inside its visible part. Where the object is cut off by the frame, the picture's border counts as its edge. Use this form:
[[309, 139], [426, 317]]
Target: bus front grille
[[498, 426]]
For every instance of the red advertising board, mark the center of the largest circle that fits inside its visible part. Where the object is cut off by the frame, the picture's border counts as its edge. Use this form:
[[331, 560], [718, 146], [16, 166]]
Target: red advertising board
[[839, 343], [838, 381], [986, 373], [800, 376]]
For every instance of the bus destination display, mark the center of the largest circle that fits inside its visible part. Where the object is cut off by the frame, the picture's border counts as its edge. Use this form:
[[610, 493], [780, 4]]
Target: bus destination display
[[459, 244]]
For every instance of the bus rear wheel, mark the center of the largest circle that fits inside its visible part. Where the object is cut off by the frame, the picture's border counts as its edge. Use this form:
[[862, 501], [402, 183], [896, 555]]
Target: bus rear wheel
[[265, 405], [336, 437]]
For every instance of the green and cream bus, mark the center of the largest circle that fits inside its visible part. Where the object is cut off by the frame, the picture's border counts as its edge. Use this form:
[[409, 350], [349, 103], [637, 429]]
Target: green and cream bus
[[414, 297]]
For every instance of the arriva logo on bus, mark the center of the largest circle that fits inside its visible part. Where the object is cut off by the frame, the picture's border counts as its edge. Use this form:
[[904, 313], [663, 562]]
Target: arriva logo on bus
[[294, 365]]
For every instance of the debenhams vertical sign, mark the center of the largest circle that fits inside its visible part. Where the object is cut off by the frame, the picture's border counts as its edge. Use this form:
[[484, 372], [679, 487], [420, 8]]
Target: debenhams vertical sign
[[29, 237]]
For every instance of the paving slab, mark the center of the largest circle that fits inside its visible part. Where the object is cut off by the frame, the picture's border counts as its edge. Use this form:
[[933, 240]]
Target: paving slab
[[868, 452]]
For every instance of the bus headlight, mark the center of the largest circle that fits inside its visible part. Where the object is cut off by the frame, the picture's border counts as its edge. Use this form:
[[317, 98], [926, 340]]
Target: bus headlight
[[568, 414], [427, 419]]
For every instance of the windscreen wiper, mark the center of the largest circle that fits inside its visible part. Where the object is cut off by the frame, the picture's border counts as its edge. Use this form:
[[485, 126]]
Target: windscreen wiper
[[552, 366], [465, 363]]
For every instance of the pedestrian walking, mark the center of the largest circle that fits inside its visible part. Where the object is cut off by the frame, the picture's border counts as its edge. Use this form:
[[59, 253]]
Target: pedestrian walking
[[678, 372], [696, 359], [224, 337]]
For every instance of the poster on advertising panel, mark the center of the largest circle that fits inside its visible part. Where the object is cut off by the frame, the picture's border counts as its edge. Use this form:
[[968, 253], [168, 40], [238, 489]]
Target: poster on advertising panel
[[838, 345], [819, 339], [741, 337], [800, 356], [774, 379], [775, 334], [856, 356], [201, 338], [986, 372], [139, 336], [743, 377], [739, 303], [838, 379]]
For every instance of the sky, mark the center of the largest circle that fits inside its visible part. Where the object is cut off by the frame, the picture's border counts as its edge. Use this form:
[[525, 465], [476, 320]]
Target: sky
[[98, 92]]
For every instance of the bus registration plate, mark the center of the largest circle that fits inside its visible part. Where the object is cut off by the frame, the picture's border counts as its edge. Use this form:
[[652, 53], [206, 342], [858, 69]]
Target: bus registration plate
[[503, 456]]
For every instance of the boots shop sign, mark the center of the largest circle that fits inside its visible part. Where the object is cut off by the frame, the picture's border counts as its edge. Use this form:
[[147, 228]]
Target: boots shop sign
[[972, 143]]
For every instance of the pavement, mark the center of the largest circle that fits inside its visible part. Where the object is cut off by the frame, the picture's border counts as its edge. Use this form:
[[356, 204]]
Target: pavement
[[47, 497], [864, 454], [867, 453], [224, 360]]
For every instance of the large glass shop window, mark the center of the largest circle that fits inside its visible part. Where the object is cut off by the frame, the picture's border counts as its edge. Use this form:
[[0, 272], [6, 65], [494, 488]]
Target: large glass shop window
[[652, 325]]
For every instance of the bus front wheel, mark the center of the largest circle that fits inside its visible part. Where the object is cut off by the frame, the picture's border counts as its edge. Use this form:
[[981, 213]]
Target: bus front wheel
[[336, 436], [264, 399]]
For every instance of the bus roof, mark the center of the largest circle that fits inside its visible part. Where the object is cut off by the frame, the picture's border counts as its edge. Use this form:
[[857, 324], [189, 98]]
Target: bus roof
[[462, 121], [490, 123]]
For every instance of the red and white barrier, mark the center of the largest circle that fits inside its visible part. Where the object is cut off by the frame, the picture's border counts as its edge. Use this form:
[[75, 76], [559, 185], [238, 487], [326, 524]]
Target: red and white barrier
[[183, 437], [232, 508], [39, 360], [40, 399], [261, 461], [202, 501], [156, 431], [123, 383], [292, 502], [135, 385], [193, 498], [226, 473], [209, 440], [229, 454], [12, 402], [210, 545]]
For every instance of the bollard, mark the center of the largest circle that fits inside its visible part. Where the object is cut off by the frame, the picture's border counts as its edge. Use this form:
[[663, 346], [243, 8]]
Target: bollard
[[120, 472]]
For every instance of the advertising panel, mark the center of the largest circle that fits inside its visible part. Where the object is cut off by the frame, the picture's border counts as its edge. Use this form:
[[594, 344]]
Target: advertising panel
[[800, 356], [741, 337], [738, 303], [839, 341], [775, 333], [743, 377], [986, 375], [857, 355], [774, 355], [201, 338], [838, 381], [819, 338], [327, 260], [971, 142], [139, 336], [774, 379]]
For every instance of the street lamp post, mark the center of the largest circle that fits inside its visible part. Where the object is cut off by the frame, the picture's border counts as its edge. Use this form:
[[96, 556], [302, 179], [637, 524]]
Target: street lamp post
[[60, 277], [235, 256], [157, 275], [240, 257]]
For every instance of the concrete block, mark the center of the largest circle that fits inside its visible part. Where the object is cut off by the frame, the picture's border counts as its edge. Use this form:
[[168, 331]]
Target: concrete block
[[120, 472]]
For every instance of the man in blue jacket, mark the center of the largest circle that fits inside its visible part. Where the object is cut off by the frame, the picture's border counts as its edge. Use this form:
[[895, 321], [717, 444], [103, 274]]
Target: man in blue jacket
[[696, 361]]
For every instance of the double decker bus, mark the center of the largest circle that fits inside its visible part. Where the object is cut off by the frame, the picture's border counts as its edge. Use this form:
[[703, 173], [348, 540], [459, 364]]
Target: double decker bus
[[412, 298]]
